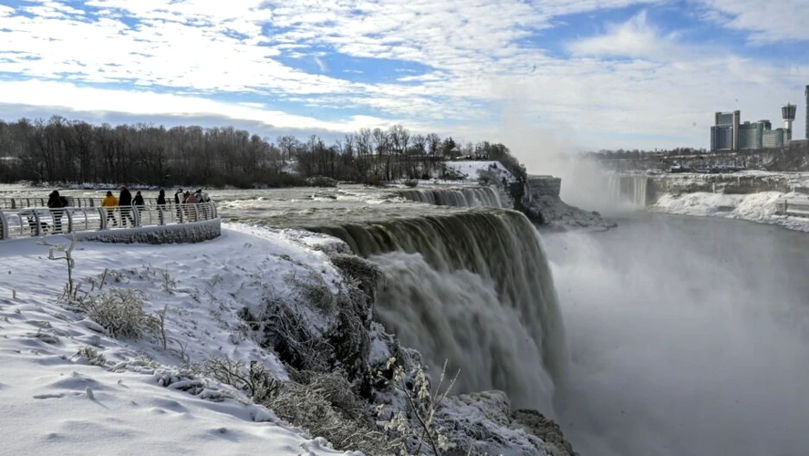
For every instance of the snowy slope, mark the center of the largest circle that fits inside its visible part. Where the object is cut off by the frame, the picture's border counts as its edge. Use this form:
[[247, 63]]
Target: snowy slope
[[470, 168], [755, 207], [54, 402]]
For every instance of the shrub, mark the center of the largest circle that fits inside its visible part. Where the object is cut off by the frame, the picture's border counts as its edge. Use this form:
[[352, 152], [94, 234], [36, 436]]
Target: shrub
[[321, 181], [327, 408], [254, 380], [120, 312], [91, 356]]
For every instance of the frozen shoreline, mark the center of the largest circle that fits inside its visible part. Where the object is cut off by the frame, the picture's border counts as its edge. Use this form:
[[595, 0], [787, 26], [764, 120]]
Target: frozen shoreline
[[753, 207]]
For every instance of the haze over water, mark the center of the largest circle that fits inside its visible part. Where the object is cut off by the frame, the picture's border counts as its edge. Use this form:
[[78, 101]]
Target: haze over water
[[688, 336]]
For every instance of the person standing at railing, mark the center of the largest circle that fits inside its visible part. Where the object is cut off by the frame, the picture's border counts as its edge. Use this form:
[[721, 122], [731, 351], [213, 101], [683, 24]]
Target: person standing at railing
[[110, 202], [139, 204], [125, 202], [56, 203], [190, 201], [161, 204], [178, 199], [202, 197]]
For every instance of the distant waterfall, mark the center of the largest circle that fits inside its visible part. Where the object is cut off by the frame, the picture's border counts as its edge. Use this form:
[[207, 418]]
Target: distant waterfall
[[459, 197], [474, 288], [629, 188]]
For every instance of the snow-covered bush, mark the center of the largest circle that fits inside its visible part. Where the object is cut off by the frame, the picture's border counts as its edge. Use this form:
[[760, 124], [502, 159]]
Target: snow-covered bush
[[413, 426], [120, 312], [361, 273], [90, 356], [254, 380], [326, 407]]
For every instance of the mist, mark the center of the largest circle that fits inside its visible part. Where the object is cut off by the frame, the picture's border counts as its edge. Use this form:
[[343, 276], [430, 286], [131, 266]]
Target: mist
[[688, 336], [545, 150]]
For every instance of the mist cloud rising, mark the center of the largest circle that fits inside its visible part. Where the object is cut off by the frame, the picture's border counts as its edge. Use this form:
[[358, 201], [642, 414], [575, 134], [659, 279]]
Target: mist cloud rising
[[687, 336]]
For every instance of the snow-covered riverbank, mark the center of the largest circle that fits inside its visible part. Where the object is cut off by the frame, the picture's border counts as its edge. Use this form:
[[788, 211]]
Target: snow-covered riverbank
[[754, 207], [57, 401]]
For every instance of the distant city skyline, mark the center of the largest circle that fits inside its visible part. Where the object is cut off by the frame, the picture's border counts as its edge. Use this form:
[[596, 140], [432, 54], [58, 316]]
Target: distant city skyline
[[562, 75]]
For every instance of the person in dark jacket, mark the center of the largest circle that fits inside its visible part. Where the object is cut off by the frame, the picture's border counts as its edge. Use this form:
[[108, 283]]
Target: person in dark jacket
[[139, 204], [125, 202], [56, 203], [179, 198], [161, 204]]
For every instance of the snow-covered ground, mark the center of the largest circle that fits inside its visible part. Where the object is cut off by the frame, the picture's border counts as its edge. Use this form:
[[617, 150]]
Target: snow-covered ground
[[755, 207], [53, 401], [470, 168]]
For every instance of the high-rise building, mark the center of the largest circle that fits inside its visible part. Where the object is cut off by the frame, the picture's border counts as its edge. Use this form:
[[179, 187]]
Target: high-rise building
[[788, 114], [725, 131], [737, 118], [751, 135], [773, 139]]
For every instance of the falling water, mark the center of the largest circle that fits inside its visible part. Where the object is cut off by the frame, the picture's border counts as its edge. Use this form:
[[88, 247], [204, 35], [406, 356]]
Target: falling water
[[629, 189], [473, 288], [459, 197]]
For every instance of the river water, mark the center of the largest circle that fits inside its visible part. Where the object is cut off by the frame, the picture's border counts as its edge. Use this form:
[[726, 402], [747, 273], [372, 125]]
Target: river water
[[687, 336]]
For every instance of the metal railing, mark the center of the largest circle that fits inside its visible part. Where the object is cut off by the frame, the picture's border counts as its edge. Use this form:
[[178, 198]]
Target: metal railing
[[22, 203], [793, 207], [40, 221]]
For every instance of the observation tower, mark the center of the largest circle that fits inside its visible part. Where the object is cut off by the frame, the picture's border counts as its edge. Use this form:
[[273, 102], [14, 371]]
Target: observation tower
[[788, 114]]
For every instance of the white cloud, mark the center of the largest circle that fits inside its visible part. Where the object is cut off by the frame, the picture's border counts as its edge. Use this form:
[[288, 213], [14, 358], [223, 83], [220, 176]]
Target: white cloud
[[633, 38], [69, 97], [477, 60], [769, 21]]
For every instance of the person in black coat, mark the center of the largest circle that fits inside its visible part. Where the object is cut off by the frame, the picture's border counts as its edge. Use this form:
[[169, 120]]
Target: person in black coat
[[125, 202], [56, 203], [139, 203], [178, 199], [161, 204]]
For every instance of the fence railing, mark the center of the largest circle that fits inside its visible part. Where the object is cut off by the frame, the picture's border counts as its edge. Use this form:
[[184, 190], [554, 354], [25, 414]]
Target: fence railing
[[793, 207], [22, 203], [72, 201], [39, 221]]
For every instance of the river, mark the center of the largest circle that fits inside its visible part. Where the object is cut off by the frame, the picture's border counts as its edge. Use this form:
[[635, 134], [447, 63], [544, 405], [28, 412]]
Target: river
[[687, 336]]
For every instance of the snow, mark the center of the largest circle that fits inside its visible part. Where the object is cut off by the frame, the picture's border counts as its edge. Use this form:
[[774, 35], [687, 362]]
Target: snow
[[470, 168], [141, 400], [755, 207]]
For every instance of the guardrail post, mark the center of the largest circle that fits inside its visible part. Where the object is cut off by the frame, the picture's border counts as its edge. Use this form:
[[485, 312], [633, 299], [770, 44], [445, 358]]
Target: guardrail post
[[37, 227], [69, 220], [135, 211], [13, 201], [3, 226], [103, 217]]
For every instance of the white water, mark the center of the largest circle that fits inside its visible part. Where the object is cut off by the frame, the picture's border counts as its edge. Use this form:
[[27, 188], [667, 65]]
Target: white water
[[458, 316], [628, 189], [473, 288], [688, 336], [458, 197]]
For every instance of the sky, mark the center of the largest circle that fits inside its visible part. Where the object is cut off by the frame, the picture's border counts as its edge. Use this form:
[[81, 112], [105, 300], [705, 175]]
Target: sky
[[535, 74]]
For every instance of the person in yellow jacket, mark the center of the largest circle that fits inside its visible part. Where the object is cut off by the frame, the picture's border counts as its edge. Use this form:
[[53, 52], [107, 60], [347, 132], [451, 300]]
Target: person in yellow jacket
[[110, 202]]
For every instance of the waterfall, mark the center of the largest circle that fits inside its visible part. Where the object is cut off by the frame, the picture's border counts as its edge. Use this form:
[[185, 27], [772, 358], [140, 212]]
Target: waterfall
[[459, 197], [473, 288], [630, 189]]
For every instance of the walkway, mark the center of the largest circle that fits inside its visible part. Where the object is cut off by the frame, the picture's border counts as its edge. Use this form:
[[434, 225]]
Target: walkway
[[40, 221]]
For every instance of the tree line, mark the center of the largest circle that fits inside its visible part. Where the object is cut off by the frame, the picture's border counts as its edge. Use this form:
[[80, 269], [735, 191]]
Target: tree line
[[60, 150]]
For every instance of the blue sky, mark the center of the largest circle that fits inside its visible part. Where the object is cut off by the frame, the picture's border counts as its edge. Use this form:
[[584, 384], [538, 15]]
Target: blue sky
[[562, 75]]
